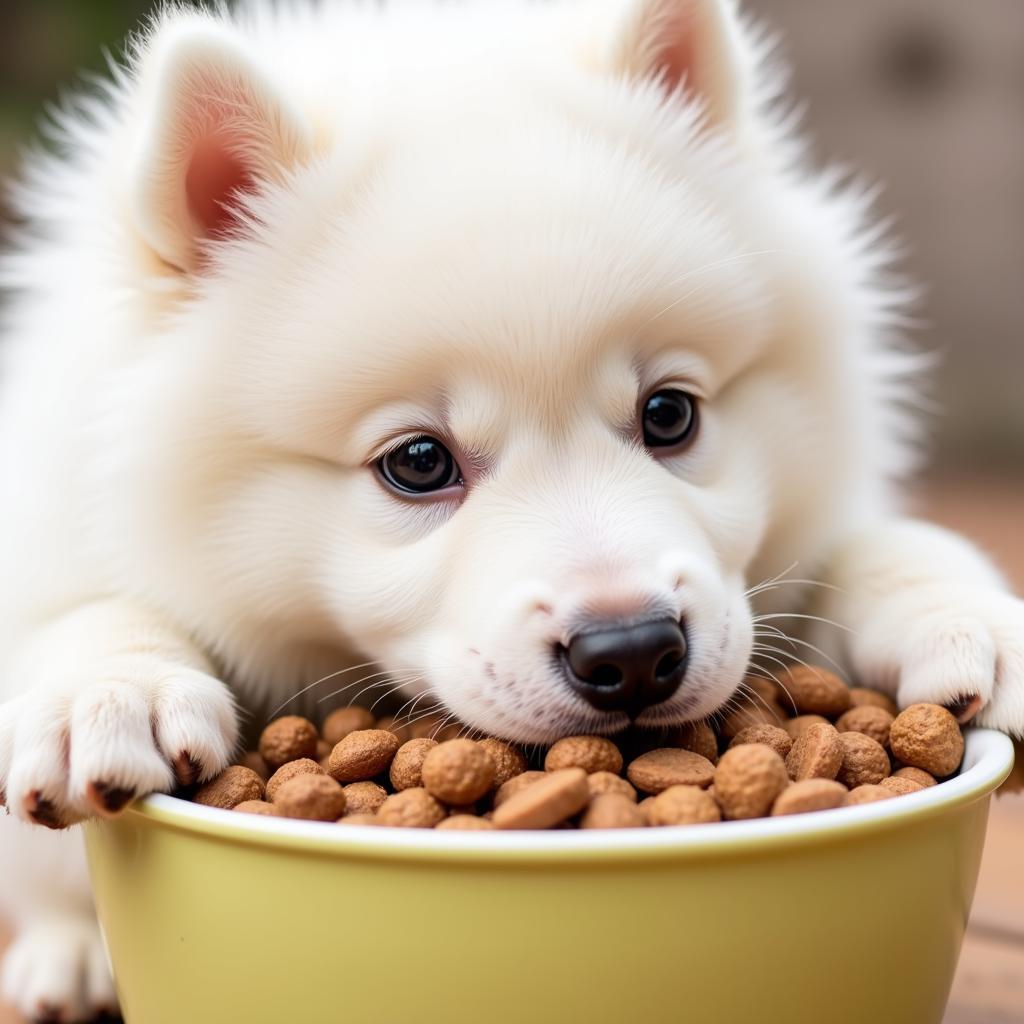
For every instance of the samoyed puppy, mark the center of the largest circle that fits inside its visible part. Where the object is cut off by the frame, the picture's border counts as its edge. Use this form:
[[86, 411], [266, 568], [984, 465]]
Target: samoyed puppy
[[507, 351]]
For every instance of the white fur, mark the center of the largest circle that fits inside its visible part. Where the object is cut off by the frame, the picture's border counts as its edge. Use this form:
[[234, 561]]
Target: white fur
[[503, 223]]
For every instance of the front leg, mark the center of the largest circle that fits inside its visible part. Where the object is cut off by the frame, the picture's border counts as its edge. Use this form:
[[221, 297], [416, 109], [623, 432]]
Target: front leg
[[929, 620], [112, 702]]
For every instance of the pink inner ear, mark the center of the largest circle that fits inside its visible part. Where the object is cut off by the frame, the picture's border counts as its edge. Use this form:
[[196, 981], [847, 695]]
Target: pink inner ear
[[678, 56], [214, 175]]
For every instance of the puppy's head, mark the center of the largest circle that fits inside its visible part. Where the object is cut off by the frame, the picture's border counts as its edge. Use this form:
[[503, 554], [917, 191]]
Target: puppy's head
[[475, 358]]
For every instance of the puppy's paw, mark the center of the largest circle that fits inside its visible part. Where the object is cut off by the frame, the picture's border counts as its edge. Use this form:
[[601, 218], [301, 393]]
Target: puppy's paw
[[956, 645], [56, 970], [91, 747]]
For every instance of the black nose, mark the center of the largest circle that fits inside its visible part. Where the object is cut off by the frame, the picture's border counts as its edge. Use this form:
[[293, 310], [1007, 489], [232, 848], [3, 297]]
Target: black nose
[[628, 668]]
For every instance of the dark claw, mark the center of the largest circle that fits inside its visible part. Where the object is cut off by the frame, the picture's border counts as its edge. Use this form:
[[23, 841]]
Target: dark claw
[[113, 798], [963, 709], [43, 812], [186, 768]]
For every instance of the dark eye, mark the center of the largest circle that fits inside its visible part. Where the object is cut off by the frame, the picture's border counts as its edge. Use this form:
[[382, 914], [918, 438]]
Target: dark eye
[[420, 467], [669, 419]]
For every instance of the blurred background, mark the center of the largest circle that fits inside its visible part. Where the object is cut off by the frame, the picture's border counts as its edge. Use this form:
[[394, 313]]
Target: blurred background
[[924, 96]]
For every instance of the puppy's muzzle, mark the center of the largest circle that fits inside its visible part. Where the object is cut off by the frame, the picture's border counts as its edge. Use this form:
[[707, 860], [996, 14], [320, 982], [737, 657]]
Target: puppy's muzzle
[[627, 667]]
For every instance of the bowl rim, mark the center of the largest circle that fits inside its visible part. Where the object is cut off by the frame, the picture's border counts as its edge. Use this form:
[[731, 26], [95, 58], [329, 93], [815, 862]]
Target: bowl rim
[[988, 758]]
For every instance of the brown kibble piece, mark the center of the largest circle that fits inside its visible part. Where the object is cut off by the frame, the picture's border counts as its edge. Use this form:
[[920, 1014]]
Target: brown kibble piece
[[303, 766], [669, 766], [509, 761], [412, 808], [362, 754], [434, 727], [865, 762], [233, 786], [867, 795], [919, 775], [927, 736], [407, 767], [287, 739], [458, 771], [818, 754], [698, 737], [364, 797], [681, 805], [901, 786], [770, 735], [545, 803], [359, 818], [749, 714], [862, 697], [339, 723], [600, 783], [796, 727], [814, 691], [256, 807], [612, 810], [251, 759], [391, 724], [312, 797], [515, 785], [748, 779], [867, 719], [591, 753], [464, 823], [809, 795]]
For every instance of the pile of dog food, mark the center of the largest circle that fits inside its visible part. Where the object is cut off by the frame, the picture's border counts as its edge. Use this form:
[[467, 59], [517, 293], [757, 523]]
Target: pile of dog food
[[804, 743]]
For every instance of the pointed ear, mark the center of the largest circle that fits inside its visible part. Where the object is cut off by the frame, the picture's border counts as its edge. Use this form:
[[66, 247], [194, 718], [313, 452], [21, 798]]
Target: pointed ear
[[690, 44], [213, 125]]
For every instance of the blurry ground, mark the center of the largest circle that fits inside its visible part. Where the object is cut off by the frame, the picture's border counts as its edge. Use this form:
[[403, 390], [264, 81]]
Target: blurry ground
[[989, 987]]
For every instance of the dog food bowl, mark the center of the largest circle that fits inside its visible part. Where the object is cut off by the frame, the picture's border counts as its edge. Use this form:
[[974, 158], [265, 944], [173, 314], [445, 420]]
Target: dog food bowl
[[852, 915]]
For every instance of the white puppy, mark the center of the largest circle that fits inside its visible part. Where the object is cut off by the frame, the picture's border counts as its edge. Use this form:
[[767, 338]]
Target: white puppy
[[505, 346]]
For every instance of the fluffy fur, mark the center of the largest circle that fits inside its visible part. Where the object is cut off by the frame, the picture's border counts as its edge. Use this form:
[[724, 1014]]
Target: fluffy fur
[[502, 224]]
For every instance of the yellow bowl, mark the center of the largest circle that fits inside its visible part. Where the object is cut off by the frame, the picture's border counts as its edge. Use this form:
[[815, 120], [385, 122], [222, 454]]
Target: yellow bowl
[[851, 915]]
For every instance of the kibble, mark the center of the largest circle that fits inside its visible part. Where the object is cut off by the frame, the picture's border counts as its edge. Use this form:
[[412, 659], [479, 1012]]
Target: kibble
[[861, 697], [303, 766], [591, 753], [612, 810], [809, 795], [407, 767], [600, 783], [748, 779], [256, 807], [458, 771], [287, 739], [669, 766], [814, 691], [362, 754], [681, 805], [412, 808], [364, 797], [338, 724], [918, 775], [233, 786], [867, 719], [509, 761], [770, 735], [698, 737], [313, 797], [831, 753], [817, 754], [927, 736], [546, 803], [864, 763]]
